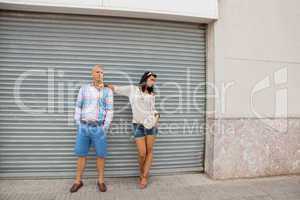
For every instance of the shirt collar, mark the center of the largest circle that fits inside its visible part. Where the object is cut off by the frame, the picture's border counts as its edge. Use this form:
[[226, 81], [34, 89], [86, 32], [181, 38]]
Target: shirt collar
[[92, 85]]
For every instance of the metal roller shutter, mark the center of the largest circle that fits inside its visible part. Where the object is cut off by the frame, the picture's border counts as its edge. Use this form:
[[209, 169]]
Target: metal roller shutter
[[46, 57]]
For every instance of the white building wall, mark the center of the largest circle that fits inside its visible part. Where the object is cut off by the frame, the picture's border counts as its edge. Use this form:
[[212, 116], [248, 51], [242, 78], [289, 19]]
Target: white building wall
[[193, 8], [67, 3], [256, 40], [206, 8], [254, 52]]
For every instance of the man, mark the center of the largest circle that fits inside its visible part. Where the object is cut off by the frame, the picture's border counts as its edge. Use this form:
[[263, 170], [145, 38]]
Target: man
[[93, 116]]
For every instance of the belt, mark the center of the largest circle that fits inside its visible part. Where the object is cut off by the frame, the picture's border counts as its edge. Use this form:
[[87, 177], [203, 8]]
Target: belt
[[91, 123]]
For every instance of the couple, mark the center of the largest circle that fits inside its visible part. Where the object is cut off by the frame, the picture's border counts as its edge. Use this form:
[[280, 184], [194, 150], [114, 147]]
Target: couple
[[93, 116]]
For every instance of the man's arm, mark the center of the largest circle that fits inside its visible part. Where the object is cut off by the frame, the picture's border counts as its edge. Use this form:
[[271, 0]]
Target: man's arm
[[109, 101], [78, 106]]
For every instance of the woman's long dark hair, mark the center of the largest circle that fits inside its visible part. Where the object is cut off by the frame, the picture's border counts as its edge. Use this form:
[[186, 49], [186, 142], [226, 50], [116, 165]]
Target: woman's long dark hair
[[143, 82]]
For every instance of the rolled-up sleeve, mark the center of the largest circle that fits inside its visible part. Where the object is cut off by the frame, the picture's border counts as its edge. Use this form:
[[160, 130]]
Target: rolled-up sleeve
[[124, 90], [78, 105]]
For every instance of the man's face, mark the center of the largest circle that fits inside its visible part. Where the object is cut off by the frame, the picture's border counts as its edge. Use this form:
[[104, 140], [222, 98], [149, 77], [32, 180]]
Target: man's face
[[97, 73]]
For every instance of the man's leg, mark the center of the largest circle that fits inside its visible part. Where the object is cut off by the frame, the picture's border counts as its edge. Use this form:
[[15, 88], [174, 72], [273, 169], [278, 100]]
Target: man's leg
[[81, 162], [81, 150], [100, 143], [100, 167]]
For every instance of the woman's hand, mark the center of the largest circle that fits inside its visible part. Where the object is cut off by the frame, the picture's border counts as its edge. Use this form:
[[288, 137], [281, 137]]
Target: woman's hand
[[112, 87]]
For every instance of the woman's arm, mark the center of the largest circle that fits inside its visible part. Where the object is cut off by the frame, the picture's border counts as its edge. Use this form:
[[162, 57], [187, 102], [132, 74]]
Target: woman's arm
[[156, 113], [122, 90], [154, 107]]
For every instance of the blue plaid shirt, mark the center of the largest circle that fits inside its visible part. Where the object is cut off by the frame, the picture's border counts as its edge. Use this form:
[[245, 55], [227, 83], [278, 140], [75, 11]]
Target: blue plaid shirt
[[94, 104]]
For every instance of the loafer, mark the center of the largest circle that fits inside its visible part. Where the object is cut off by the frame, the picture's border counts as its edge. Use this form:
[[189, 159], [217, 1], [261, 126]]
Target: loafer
[[101, 187], [76, 186]]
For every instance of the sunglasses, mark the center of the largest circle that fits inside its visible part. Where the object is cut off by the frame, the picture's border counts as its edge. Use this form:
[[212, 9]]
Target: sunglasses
[[151, 74]]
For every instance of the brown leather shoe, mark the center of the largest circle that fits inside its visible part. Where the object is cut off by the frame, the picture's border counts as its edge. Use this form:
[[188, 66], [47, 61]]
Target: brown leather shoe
[[75, 187], [101, 187]]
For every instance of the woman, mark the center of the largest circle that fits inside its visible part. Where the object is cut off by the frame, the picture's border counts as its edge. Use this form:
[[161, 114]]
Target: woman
[[145, 117]]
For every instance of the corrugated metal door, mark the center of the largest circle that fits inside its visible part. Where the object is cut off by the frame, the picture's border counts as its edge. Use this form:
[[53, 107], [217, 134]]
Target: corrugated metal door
[[44, 58]]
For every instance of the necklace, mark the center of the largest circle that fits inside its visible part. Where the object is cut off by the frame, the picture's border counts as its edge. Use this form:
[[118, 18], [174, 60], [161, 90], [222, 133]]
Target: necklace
[[149, 100], [98, 85]]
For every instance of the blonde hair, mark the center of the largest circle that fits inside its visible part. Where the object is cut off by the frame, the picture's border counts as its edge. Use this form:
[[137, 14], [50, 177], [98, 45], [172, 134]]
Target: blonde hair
[[97, 66]]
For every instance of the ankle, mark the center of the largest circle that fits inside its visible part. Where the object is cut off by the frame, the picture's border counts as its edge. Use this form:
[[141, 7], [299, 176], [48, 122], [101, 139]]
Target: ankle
[[144, 176], [100, 181]]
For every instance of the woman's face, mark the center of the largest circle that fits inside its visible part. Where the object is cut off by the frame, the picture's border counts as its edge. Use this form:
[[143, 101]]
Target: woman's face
[[151, 81]]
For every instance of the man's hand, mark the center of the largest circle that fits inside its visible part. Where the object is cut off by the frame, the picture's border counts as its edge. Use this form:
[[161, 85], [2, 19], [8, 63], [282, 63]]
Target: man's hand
[[105, 130]]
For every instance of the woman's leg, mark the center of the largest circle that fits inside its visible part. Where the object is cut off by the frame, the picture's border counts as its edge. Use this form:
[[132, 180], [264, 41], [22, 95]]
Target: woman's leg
[[141, 147], [150, 140]]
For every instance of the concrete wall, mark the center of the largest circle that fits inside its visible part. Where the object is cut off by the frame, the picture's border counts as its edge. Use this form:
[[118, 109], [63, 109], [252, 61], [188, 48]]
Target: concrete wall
[[204, 9], [254, 62]]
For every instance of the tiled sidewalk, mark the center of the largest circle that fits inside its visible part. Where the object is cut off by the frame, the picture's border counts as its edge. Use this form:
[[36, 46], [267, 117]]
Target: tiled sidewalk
[[191, 186]]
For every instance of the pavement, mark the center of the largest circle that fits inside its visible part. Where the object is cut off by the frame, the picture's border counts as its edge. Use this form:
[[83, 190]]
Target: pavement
[[173, 187]]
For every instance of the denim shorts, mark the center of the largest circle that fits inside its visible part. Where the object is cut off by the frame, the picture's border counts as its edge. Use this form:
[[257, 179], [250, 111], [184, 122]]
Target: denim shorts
[[140, 131], [90, 135]]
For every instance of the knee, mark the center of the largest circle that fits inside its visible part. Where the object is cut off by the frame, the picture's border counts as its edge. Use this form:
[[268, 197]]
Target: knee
[[149, 151], [142, 154], [82, 158], [81, 161]]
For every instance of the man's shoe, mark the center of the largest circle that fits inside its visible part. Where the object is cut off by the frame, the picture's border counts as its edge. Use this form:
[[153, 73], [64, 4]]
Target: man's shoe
[[76, 186], [101, 187]]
